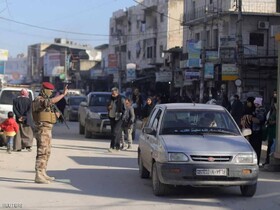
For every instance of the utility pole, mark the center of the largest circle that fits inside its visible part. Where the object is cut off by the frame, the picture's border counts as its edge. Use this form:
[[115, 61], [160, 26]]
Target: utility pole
[[203, 57], [120, 61], [239, 43]]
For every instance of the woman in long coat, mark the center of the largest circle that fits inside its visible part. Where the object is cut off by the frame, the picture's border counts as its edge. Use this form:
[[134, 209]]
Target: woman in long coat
[[22, 110]]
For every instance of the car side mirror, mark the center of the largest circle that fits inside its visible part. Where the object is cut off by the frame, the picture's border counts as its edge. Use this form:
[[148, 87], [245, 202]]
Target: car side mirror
[[149, 130], [246, 132], [84, 103]]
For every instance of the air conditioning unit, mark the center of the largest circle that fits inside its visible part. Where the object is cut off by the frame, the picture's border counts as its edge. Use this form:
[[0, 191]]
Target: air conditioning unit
[[263, 25]]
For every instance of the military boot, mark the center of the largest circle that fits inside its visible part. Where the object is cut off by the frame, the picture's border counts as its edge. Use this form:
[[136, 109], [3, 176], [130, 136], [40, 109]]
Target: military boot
[[49, 178], [40, 178]]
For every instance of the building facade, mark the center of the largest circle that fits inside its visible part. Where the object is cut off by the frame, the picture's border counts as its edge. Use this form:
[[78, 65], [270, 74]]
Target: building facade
[[139, 36], [236, 44]]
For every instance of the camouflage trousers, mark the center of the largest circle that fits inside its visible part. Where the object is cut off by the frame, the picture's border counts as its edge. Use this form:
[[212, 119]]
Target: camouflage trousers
[[43, 135]]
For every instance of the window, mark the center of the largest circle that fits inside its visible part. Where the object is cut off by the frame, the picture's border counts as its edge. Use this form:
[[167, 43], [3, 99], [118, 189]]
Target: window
[[129, 55], [278, 6], [215, 38], [197, 36], [161, 53], [150, 52], [112, 30], [208, 39], [161, 17], [257, 39], [129, 25]]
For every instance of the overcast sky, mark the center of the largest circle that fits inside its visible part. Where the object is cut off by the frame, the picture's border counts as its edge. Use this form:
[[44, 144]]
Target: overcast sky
[[22, 21]]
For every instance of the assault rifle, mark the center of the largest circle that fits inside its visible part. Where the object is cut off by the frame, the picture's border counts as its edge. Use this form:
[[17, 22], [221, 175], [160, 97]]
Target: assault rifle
[[56, 109]]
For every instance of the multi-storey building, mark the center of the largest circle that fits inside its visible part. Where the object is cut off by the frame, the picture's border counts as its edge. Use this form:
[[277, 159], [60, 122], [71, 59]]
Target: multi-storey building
[[63, 61], [235, 40], [139, 36]]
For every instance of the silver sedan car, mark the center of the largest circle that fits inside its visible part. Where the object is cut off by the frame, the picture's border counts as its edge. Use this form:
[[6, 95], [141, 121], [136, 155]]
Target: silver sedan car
[[196, 145]]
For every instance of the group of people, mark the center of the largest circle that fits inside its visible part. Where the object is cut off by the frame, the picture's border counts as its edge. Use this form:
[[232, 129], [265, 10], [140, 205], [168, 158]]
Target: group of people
[[34, 119], [18, 131], [123, 114], [262, 122]]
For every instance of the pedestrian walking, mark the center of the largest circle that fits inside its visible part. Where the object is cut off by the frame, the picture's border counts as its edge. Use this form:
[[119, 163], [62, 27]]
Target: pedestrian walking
[[44, 116], [115, 112], [271, 130], [258, 121], [23, 114], [137, 102], [10, 128], [146, 111], [237, 110], [128, 124]]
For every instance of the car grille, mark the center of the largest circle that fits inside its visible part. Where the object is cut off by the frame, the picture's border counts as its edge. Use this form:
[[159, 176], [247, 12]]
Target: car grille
[[200, 158], [103, 116]]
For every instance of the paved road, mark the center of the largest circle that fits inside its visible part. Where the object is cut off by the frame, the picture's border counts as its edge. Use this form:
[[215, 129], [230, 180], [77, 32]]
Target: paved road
[[90, 177]]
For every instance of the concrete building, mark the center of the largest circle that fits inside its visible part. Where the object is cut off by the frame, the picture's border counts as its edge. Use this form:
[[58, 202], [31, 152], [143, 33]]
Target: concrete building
[[139, 35], [62, 61], [233, 45]]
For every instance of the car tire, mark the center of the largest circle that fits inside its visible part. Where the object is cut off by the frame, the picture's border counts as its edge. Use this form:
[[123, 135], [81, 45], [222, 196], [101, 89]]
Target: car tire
[[87, 132], [143, 172], [159, 189], [81, 128], [248, 190]]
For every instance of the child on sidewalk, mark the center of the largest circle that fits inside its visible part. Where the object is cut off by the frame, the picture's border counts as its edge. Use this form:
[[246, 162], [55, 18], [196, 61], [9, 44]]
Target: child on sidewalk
[[10, 128]]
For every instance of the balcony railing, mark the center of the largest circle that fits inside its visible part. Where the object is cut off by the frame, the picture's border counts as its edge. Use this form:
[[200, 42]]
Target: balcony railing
[[226, 6]]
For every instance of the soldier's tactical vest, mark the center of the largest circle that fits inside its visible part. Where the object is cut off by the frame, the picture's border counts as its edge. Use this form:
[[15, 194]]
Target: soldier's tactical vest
[[46, 115]]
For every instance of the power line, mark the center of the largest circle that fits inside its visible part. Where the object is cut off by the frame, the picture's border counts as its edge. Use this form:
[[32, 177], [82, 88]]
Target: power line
[[51, 29]]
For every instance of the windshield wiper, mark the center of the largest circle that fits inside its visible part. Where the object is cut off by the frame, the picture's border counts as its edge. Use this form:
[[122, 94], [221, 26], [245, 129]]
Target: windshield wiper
[[222, 132]]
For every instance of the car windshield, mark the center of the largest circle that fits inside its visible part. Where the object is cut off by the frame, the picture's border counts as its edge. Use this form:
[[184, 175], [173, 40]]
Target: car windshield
[[7, 96], [198, 122], [100, 100], [76, 100]]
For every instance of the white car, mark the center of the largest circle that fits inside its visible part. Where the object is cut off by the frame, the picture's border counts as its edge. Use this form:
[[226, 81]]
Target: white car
[[197, 145], [7, 95]]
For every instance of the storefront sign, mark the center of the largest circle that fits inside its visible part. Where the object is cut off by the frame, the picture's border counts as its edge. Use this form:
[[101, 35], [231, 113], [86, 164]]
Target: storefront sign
[[2, 67], [229, 72], [164, 76], [209, 71], [192, 74], [112, 61], [130, 72], [4, 54]]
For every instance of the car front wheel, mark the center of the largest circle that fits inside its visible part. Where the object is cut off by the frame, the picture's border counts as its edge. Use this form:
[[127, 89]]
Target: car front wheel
[[87, 132], [248, 190], [159, 188], [143, 172]]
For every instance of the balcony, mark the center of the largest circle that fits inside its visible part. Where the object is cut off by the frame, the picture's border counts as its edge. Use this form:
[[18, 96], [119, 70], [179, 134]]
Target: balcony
[[226, 7]]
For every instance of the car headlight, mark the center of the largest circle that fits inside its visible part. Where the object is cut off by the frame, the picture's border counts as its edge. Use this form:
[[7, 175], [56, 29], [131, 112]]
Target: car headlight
[[94, 115], [177, 157], [246, 158]]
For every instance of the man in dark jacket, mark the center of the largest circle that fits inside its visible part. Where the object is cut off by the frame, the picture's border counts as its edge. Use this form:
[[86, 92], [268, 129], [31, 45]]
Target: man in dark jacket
[[115, 111], [237, 110], [22, 110]]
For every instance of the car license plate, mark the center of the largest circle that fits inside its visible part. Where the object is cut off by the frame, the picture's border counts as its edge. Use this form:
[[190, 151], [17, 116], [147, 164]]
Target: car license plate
[[211, 172], [108, 127]]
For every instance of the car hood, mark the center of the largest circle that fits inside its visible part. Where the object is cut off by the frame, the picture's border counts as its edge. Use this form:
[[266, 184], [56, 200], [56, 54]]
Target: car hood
[[98, 109], [206, 144]]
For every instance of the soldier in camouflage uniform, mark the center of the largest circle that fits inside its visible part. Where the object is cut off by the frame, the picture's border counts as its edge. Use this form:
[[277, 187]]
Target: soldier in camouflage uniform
[[44, 116]]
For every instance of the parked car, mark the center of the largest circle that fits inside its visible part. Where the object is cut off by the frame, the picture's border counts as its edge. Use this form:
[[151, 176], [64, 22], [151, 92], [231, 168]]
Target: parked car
[[7, 95], [196, 145], [71, 108]]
